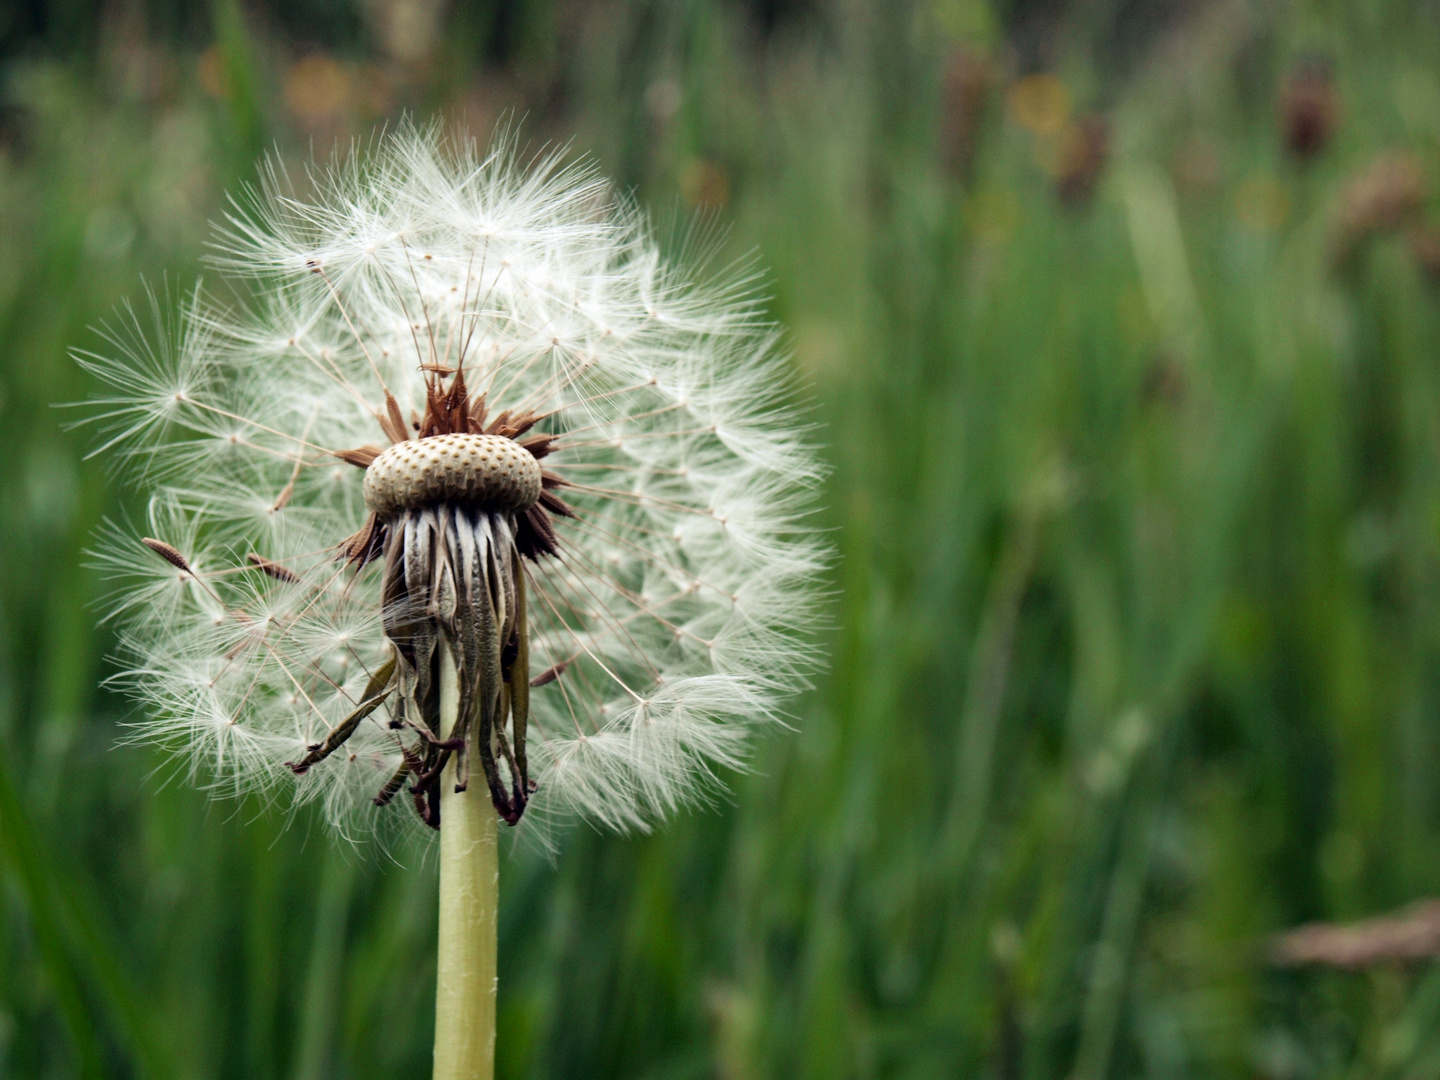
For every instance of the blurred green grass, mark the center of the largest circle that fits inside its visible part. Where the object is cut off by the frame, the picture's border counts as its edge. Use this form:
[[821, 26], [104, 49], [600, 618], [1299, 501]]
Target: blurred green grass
[[1136, 496]]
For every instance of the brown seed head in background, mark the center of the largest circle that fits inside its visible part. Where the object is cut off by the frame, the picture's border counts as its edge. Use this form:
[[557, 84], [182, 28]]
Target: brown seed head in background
[[1309, 108], [482, 469], [1424, 241], [1084, 146], [1386, 196], [964, 92], [1164, 380]]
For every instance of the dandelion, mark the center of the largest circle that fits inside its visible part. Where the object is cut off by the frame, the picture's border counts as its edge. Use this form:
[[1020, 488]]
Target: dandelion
[[473, 502]]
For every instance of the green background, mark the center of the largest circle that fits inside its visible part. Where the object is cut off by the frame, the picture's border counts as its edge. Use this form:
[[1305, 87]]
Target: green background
[[1134, 648]]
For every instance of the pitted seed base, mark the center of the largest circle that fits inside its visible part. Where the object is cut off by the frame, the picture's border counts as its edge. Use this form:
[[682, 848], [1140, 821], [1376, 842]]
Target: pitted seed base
[[489, 469]]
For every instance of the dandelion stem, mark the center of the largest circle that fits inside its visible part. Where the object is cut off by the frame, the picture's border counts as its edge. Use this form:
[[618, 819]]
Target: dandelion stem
[[469, 878]]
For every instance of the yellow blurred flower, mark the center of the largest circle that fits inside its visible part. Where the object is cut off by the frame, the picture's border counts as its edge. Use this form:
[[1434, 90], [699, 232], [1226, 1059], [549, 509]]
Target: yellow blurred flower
[[993, 213], [408, 30], [1262, 203], [1040, 104], [317, 90], [212, 73], [1198, 166], [705, 184]]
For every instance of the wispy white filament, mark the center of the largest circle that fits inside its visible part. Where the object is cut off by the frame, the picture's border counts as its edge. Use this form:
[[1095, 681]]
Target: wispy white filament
[[676, 610]]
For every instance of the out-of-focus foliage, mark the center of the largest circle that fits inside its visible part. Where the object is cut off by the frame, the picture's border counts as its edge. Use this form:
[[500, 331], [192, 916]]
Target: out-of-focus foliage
[[1121, 321]]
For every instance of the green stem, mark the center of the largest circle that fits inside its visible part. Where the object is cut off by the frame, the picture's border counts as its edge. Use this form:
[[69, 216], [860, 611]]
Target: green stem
[[469, 900]]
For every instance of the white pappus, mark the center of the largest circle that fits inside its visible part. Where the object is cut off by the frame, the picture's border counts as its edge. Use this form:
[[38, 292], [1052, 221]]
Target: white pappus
[[466, 404]]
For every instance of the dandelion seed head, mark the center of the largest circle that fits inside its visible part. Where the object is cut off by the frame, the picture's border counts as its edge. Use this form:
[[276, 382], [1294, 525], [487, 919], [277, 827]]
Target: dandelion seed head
[[466, 404]]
